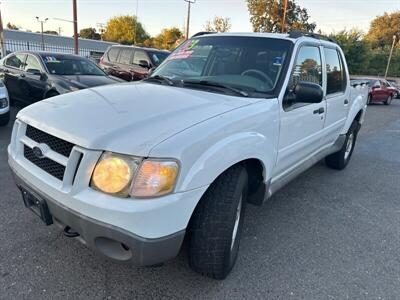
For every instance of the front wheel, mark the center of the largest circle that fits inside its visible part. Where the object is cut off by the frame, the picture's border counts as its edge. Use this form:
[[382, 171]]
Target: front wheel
[[388, 100], [340, 159], [216, 225]]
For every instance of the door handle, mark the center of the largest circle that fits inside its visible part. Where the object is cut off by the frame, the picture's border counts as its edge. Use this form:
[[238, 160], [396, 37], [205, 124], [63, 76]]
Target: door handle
[[22, 75], [320, 110], [346, 101]]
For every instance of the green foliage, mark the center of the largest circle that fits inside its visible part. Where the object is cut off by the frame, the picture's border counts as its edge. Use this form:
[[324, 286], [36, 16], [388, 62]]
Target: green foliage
[[267, 16], [125, 30], [382, 30], [218, 24], [89, 33], [12, 26], [167, 39]]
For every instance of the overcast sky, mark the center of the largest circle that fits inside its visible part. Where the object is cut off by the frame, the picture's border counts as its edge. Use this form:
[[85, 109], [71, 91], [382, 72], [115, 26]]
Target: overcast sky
[[330, 15]]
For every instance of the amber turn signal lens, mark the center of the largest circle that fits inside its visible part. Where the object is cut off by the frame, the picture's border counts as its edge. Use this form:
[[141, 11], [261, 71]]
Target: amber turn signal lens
[[112, 175], [155, 178]]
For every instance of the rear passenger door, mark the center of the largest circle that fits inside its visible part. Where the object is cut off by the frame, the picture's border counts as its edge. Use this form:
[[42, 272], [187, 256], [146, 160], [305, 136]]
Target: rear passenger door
[[124, 60], [337, 94], [301, 124], [112, 56], [140, 58]]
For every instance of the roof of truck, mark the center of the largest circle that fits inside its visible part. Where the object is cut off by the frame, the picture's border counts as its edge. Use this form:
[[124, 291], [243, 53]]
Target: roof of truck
[[293, 36]]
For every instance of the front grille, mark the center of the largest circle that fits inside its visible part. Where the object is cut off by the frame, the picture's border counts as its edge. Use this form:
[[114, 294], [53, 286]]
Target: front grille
[[56, 144], [48, 165]]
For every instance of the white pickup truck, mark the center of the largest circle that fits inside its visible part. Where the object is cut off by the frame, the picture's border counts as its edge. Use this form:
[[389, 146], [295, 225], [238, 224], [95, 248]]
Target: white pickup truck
[[132, 170]]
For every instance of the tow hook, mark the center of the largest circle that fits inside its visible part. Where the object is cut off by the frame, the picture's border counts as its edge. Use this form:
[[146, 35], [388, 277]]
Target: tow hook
[[69, 232]]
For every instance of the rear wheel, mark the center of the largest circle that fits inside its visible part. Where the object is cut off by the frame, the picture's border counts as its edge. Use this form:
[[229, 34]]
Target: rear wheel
[[388, 100], [216, 225], [340, 159], [4, 119]]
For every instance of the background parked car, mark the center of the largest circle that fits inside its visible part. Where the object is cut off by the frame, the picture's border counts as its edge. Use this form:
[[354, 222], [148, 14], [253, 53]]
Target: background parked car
[[380, 91], [396, 87], [4, 105], [131, 63], [33, 76]]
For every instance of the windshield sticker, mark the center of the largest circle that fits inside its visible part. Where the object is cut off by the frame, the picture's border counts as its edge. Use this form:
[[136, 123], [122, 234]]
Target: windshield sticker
[[185, 51], [278, 61], [51, 59]]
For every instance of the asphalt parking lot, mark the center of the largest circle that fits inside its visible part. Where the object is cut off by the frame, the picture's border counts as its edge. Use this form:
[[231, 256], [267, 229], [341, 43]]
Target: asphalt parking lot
[[328, 234]]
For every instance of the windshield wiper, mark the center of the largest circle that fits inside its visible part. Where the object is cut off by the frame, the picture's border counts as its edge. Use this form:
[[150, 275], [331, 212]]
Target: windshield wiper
[[217, 85], [160, 78]]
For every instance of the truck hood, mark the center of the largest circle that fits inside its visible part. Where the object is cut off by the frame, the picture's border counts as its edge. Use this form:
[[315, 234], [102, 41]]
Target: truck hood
[[126, 118]]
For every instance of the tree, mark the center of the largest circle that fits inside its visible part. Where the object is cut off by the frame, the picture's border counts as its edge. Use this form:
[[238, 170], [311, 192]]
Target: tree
[[125, 30], [356, 50], [267, 15], [89, 33], [167, 39], [12, 26], [53, 32], [218, 24], [383, 28]]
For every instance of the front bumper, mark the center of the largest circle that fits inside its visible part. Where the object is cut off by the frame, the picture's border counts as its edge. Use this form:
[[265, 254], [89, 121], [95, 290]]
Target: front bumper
[[110, 241]]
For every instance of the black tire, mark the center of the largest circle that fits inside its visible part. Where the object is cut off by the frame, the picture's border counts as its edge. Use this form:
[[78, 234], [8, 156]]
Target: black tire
[[213, 246], [51, 94], [340, 159], [388, 100], [4, 119]]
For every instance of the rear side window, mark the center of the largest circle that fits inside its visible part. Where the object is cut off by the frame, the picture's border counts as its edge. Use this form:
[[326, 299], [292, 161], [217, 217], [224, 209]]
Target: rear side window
[[308, 67], [140, 55], [125, 56], [113, 54], [16, 61], [32, 63], [334, 70]]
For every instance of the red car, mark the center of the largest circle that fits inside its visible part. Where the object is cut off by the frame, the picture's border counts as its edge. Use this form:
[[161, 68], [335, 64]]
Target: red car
[[131, 63], [380, 91]]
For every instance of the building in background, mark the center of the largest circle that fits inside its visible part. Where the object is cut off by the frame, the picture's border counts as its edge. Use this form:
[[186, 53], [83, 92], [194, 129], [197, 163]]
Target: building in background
[[17, 40]]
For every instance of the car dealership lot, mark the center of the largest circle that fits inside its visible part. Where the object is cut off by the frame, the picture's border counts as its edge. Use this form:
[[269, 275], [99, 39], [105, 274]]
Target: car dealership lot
[[328, 234]]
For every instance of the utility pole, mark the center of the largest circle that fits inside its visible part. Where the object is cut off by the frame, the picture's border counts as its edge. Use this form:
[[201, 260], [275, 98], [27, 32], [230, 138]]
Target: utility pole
[[59, 30], [284, 16], [101, 29], [390, 56], [75, 21], [190, 2], [136, 24], [41, 26], [2, 41]]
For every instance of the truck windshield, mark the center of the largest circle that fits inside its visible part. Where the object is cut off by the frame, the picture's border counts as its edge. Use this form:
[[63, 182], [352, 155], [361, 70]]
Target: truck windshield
[[71, 66], [248, 64]]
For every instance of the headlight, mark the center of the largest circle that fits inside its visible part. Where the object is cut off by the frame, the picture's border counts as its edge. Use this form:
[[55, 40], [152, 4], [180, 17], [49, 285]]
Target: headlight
[[113, 174], [124, 176], [155, 178], [3, 103]]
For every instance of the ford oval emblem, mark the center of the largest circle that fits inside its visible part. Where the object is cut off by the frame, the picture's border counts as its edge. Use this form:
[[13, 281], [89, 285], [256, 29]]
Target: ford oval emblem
[[37, 152]]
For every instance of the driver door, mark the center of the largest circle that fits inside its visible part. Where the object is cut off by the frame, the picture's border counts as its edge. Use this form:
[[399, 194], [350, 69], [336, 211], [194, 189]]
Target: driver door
[[301, 124], [32, 84]]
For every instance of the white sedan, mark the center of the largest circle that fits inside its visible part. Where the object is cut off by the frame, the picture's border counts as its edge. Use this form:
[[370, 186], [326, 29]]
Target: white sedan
[[4, 105]]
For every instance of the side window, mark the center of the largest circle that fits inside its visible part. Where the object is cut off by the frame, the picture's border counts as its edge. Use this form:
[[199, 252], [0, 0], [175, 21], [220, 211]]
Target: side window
[[32, 63], [140, 55], [15, 61], [385, 84], [125, 56], [308, 67], [334, 72], [113, 54]]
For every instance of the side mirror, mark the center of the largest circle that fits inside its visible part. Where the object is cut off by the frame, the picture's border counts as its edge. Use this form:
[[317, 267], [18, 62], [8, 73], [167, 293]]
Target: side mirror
[[144, 64], [308, 92], [34, 72]]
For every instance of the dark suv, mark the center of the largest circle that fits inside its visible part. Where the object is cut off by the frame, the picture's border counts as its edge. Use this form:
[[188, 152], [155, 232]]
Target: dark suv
[[131, 63]]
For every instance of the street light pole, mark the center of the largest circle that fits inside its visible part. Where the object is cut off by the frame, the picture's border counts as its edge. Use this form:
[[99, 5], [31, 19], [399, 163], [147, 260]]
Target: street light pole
[[41, 26], [190, 2], [2, 42], [390, 56], [284, 16], [75, 21]]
